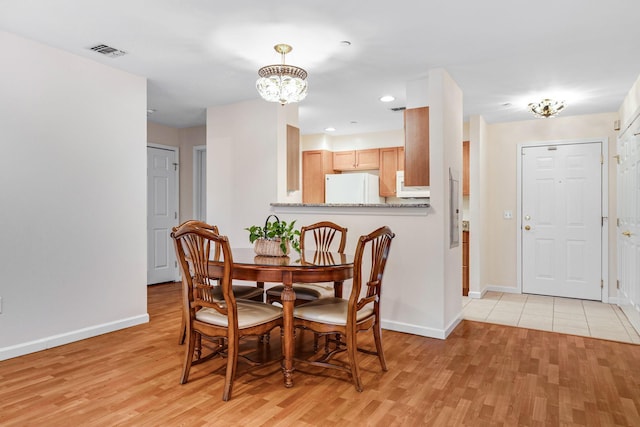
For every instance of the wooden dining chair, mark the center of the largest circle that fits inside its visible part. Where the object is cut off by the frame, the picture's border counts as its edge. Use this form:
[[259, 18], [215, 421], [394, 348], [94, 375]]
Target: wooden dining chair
[[248, 292], [360, 312], [327, 236], [225, 321]]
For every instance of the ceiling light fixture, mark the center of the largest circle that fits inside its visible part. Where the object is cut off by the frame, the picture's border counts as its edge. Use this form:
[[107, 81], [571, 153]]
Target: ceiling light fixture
[[387, 98], [282, 83], [330, 129], [546, 108]]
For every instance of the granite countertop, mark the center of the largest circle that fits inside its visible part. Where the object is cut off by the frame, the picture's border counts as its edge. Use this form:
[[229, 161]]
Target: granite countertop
[[424, 204]]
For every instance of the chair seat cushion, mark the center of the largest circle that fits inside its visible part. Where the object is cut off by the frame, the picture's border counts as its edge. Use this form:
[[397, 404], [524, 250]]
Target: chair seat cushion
[[250, 313], [306, 291], [329, 310], [241, 292]]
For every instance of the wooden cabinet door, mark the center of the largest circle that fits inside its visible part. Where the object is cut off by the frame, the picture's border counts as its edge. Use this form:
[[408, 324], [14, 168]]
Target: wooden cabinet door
[[416, 145], [368, 159], [388, 167], [315, 164], [344, 160], [465, 168], [400, 158], [465, 263]]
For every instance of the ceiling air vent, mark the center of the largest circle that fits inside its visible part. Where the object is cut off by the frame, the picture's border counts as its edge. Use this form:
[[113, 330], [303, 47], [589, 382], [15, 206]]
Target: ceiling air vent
[[109, 51], [398, 108]]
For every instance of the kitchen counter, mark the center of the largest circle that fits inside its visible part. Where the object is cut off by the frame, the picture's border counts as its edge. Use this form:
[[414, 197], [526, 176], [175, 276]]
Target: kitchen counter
[[424, 204], [322, 210]]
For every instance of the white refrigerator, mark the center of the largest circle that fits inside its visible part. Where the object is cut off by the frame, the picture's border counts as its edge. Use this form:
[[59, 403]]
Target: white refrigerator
[[357, 188]]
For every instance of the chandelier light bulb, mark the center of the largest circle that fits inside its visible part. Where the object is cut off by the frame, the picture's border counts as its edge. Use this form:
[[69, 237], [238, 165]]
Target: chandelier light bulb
[[546, 108], [282, 83]]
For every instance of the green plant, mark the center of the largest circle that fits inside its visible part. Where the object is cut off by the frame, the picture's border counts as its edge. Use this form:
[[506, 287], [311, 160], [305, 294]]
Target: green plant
[[276, 230]]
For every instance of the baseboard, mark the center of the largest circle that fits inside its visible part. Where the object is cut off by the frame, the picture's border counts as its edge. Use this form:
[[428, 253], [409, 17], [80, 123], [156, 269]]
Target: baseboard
[[477, 295], [69, 337], [417, 330], [455, 322], [503, 289]]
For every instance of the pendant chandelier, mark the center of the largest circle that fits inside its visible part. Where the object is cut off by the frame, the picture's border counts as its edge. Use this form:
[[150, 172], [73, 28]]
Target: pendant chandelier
[[546, 108], [282, 83]]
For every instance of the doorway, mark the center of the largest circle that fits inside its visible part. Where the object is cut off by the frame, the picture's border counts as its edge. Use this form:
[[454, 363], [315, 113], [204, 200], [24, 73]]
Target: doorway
[[628, 231], [162, 213], [561, 219]]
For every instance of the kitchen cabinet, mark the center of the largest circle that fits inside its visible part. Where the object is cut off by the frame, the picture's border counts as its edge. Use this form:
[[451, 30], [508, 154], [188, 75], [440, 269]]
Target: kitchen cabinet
[[315, 164], [356, 159], [293, 158], [465, 168], [391, 160], [416, 145], [465, 263]]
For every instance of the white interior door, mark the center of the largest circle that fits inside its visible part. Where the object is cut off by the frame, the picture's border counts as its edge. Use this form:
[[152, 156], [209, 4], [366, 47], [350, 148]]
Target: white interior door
[[562, 220], [629, 224], [162, 214]]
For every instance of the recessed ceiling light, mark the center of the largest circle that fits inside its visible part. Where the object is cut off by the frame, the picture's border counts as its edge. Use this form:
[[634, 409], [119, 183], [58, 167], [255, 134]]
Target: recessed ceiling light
[[330, 129], [387, 98]]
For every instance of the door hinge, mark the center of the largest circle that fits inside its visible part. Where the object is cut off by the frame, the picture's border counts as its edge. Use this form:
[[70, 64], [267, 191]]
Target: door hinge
[[176, 263], [601, 284], [617, 157], [175, 166], [601, 159], [175, 215], [617, 222], [617, 284]]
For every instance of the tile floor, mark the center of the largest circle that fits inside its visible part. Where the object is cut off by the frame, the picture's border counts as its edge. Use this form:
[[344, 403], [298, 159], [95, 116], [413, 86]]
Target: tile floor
[[565, 315]]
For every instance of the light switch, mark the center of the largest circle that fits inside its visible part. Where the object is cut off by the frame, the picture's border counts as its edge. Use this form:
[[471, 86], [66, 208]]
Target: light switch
[[507, 215]]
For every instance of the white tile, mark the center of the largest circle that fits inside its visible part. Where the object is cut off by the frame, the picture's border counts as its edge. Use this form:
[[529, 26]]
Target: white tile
[[540, 299], [570, 323], [504, 317], [611, 335], [536, 322], [568, 309], [570, 316], [514, 297], [491, 295], [509, 306], [569, 330], [533, 308]]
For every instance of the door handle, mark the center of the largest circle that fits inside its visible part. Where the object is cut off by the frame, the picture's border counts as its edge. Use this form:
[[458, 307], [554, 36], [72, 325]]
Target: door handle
[[626, 233], [526, 227]]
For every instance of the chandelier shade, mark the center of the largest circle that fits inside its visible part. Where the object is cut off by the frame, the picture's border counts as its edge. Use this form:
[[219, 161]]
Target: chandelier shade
[[282, 83], [546, 108]]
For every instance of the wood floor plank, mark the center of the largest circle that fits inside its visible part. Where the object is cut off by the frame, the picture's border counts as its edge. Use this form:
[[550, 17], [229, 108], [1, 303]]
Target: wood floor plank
[[482, 375]]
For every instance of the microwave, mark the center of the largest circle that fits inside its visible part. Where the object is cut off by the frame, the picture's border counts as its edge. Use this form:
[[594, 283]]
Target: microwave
[[409, 192]]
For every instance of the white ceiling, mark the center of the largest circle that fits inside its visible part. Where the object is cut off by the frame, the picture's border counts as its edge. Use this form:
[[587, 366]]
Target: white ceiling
[[201, 53]]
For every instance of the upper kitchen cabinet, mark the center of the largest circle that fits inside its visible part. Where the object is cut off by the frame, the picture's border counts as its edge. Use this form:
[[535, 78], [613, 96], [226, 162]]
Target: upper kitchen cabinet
[[356, 159], [315, 164], [293, 158], [416, 133], [465, 168], [391, 161]]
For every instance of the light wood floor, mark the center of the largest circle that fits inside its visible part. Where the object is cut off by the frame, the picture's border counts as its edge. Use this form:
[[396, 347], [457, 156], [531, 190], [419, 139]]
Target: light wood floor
[[482, 375]]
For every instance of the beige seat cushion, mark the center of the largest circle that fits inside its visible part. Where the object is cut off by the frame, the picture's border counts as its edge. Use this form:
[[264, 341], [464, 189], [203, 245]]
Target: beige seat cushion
[[306, 291], [250, 313], [329, 310]]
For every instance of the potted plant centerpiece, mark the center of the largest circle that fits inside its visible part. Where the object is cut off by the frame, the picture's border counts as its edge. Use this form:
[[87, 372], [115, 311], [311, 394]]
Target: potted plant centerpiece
[[275, 238]]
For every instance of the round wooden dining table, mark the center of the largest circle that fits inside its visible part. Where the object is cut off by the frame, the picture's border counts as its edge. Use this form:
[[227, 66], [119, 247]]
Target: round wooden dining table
[[304, 267]]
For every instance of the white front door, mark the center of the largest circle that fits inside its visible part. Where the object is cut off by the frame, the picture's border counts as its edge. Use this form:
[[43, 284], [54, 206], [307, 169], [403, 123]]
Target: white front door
[[562, 220], [162, 214], [628, 237]]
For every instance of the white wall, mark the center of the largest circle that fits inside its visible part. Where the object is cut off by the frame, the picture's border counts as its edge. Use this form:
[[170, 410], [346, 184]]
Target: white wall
[[73, 246], [499, 177], [184, 139], [242, 165]]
